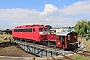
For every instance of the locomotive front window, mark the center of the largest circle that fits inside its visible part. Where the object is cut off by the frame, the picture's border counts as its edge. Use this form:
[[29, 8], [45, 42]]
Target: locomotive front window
[[45, 29], [40, 29]]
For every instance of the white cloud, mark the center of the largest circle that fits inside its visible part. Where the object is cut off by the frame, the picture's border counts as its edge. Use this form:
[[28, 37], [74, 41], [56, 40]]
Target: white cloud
[[49, 9], [20, 16], [81, 7], [17, 14], [51, 15]]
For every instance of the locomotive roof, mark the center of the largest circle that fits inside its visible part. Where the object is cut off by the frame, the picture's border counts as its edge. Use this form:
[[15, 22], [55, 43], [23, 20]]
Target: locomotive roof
[[63, 33], [26, 26]]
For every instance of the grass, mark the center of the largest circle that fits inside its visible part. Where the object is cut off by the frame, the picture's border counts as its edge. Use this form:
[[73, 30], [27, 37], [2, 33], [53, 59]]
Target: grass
[[79, 57], [87, 43], [2, 37]]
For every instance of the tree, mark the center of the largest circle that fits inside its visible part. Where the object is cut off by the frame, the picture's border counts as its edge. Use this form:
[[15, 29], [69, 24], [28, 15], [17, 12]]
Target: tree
[[89, 28], [81, 27], [89, 24], [8, 31]]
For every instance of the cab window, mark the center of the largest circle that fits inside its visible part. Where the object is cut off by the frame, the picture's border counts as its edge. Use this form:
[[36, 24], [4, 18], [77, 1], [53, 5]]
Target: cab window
[[40, 29], [58, 37], [45, 29], [68, 37]]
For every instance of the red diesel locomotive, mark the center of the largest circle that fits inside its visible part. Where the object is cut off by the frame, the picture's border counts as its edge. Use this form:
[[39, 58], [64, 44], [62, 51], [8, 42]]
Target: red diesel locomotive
[[38, 33]]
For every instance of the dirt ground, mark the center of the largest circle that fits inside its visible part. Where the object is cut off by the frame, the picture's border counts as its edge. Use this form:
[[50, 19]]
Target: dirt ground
[[14, 51]]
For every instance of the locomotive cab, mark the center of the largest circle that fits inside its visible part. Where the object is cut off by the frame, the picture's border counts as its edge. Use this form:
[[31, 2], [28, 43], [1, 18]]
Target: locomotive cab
[[43, 33], [72, 40], [66, 40]]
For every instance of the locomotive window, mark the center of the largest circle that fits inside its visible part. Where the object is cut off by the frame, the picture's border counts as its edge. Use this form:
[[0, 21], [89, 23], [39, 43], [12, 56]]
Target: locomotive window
[[23, 30], [27, 30], [58, 37], [45, 29], [14, 30], [20, 30], [68, 37], [40, 29], [30, 30], [75, 36], [17, 30]]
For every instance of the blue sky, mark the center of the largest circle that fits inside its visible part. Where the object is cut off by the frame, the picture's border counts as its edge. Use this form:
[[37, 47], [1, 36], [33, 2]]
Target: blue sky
[[33, 4], [53, 12]]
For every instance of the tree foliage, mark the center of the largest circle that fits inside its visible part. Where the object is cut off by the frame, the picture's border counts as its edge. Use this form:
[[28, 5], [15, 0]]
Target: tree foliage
[[8, 31], [82, 27], [89, 24]]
